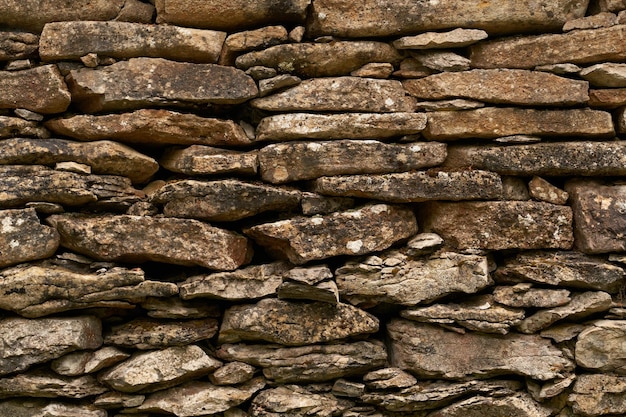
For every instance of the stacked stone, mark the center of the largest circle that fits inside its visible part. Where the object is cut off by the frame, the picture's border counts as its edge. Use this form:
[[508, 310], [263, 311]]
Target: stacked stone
[[312, 208]]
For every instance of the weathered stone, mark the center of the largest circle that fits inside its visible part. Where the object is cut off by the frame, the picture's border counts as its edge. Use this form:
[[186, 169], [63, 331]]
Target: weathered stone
[[320, 59], [40, 79], [423, 244], [326, 291], [27, 342], [329, 94], [609, 6], [600, 20], [49, 385], [23, 238], [399, 279], [501, 86], [419, 348], [248, 283], [598, 395], [605, 75], [525, 296], [37, 408], [17, 45], [280, 82], [232, 373], [446, 105], [601, 45], [310, 275], [621, 121], [116, 400], [600, 347], [159, 369], [442, 60], [514, 188], [15, 126], [294, 401], [609, 98], [500, 224], [145, 82], [309, 363], [155, 334], [300, 126], [71, 40], [223, 200], [344, 388], [380, 70], [85, 362], [456, 38], [492, 122], [256, 39], [175, 308], [559, 69], [261, 73], [338, 18], [411, 68], [104, 157], [388, 378], [563, 332], [354, 232], [271, 320], [231, 16], [542, 190], [152, 127], [415, 186], [177, 241], [518, 405], [313, 204], [295, 161]]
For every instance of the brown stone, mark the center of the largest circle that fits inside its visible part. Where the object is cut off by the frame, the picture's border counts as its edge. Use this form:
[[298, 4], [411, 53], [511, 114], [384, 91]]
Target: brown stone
[[605, 75], [374, 70], [449, 105], [206, 160], [280, 82], [600, 20], [23, 238], [518, 405], [262, 38], [116, 400], [155, 334], [294, 401], [37, 408], [525, 296], [23, 89], [313, 204], [542, 190], [456, 38], [175, 308], [47, 384], [609, 98], [600, 347], [17, 127], [232, 373], [598, 395], [436, 60], [17, 45]]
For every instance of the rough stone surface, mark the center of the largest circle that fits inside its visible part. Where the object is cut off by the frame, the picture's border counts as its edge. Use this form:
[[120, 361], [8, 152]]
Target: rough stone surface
[[23, 238], [261, 38], [154, 334], [456, 38], [15, 126], [542, 190], [36, 408], [605, 75], [232, 373], [600, 20], [600, 347], [17, 45], [84, 362], [45, 78], [293, 401], [442, 60], [607, 98], [519, 405], [525, 296], [206, 160], [49, 385], [597, 395]]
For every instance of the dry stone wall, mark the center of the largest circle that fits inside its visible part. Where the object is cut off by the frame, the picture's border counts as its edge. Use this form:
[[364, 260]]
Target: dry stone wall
[[312, 208]]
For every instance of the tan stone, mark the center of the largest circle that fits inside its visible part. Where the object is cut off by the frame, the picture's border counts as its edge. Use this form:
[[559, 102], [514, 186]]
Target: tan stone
[[456, 38], [524, 295], [449, 105], [17, 45], [313, 204], [256, 39], [605, 75], [36, 408], [23, 238], [380, 70], [84, 362], [609, 98], [518, 405], [597, 395], [232, 373], [206, 160], [116, 400], [621, 120], [441, 60], [175, 308], [600, 20], [294, 401], [542, 190], [15, 126], [280, 82], [600, 347], [23, 89], [48, 384]]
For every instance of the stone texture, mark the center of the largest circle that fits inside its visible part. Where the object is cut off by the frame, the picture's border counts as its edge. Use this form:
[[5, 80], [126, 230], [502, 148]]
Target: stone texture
[[28, 342], [18, 127], [398, 279], [501, 86], [17, 45], [325, 291], [436, 60], [419, 348], [45, 78], [175, 308], [609, 98], [597, 395], [519, 405], [542, 190], [294, 401], [313, 204], [48, 385], [600, 347], [115, 400], [151, 126], [261, 38], [72, 40], [456, 38], [492, 122], [295, 161], [348, 94], [206, 160], [605, 75], [146, 82], [337, 18], [85, 362], [23, 238], [446, 105], [176, 241], [37, 408], [388, 378], [155, 334], [600, 20], [354, 232], [303, 126], [374, 70], [271, 320], [278, 83], [525, 296], [232, 373], [500, 225]]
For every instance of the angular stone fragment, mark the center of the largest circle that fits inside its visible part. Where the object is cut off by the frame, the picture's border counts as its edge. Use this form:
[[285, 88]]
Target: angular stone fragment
[[206, 160], [609, 98], [518, 405], [501, 86], [280, 82], [74, 39], [85, 362], [338, 18], [175, 308], [294, 401], [605, 75], [146, 82], [598, 395], [49, 385], [151, 126], [374, 70], [340, 94], [559, 69], [295, 161], [23, 238], [139, 238], [232, 373], [250, 40], [304, 364], [300, 126], [354, 232], [500, 225], [492, 122], [320, 59], [344, 388], [27, 342], [432, 352], [17, 45], [600, 347], [442, 60], [414, 186], [14, 126], [456, 38], [223, 200], [23, 89], [326, 291], [601, 45], [271, 320], [621, 121], [399, 279], [154, 334], [389, 378], [542, 190], [37, 408], [523, 295]]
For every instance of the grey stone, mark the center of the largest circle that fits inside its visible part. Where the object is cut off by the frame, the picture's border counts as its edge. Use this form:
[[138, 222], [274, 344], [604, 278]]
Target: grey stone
[[525, 296], [605, 75], [344, 388], [514, 188], [312, 204], [456, 38], [116, 400], [44, 78], [326, 291], [48, 385], [23, 238], [310, 275], [175, 308], [562, 332], [598, 395], [293, 401], [600, 347]]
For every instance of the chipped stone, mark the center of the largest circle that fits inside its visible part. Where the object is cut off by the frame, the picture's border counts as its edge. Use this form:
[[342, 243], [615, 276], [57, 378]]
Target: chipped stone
[[542, 190], [44, 78]]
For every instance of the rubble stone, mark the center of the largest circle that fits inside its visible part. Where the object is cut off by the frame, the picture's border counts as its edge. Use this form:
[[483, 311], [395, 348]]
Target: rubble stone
[[23, 238], [44, 78]]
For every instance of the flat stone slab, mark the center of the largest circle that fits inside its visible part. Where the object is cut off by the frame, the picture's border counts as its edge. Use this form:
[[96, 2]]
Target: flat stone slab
[[519, 405], [295, 401], [610, 98], [15, 94], [295, 161], [48, 384], [207, 160], [500, 225], [138, 238], [597, 395], [492, 122], [600, 347], [605, 75], [456, 38], [84, 362], [23, 238], [432, 352], [17, 45], [501, 86], [36, 407], [601, 45], [147, 82], [74, 39], [15, 126], [329, 94], [353, 232]]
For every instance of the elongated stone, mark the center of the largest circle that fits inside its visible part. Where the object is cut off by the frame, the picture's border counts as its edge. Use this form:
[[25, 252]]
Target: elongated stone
[[74, 39], [146, 82], [15, 126], [37, 408], [17, 45], [23, 89], [151, 126], [456, 38], [524, 295], [84, 362], [519, 405], [601, 45], [501, 86], [206, 160], [354, 232], [271, 320], [329, 94], [23, 238], [492, 122], [232, 373], [295, 161], [137, 238], [294, 401], [609, 98], [154, 334], [251, 40], [49, 385], [600, 347], [597, 395]]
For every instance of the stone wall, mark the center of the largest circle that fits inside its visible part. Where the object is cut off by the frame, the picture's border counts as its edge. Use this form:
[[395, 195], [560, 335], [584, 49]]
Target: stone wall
[[312, 208]]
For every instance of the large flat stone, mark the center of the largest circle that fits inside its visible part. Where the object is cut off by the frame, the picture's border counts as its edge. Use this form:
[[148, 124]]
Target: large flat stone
[[354, 232], [23, 89], [207, 160], [49, 385], [23, 238], [392, 18], [154, 334], [17, 45], [601, 347], [147, 82], [598, 395], [500, 225], [137, 238], [72, 40]]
